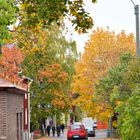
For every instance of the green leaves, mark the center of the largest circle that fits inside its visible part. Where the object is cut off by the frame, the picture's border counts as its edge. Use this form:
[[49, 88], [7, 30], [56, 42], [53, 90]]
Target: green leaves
[[129, 127], [114, 78], [7, 12], [123, 95], [81, 18], [7, 17], [94, 1], [31, 13], [49, 11], [44, 10], [49, 62]]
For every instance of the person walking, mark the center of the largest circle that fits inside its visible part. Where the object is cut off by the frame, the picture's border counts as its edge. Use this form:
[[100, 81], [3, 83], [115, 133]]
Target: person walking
[[48, 130], [53, 130], [58, 129], [62, 127]]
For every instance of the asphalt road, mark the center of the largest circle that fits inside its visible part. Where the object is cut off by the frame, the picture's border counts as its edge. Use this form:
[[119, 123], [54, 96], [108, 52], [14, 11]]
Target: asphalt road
[[99, 134]]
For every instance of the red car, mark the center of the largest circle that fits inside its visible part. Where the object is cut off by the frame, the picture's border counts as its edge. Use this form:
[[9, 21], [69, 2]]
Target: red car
[[77, 132]]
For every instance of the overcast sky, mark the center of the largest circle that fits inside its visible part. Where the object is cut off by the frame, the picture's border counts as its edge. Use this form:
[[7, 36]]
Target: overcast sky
[[118, 15]]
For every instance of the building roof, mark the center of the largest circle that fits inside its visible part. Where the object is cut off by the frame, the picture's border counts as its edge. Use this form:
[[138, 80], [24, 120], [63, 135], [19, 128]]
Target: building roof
[[5, 85]]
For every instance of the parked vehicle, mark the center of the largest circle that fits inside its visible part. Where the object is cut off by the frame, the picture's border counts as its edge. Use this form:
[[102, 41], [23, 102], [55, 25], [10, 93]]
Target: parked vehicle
[[77, 132], [90, 131], [77, 123], [95, 124], [90, 125]]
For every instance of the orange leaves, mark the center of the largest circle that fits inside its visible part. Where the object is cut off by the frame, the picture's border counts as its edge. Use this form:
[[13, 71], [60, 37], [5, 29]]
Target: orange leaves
[[58, 99], [10, 63], [54, 73], [55, 76], [58, 103], [11, 54]]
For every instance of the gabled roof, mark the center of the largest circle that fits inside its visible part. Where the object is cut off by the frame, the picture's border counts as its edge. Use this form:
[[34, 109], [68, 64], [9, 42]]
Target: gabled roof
[[5, 85]]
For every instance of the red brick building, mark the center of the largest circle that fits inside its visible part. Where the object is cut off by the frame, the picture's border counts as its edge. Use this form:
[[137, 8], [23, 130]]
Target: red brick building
[[13, 114]]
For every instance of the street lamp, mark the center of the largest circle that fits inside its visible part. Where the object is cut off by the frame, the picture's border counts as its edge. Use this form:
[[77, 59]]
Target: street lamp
[[136, 8]]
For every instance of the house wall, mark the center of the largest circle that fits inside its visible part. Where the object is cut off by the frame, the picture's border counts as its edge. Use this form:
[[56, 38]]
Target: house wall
[[10, 105], [14, 106], [3, 116]]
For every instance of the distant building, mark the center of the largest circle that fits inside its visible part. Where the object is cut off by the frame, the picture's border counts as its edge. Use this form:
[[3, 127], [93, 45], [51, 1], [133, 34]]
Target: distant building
[[13, 111]]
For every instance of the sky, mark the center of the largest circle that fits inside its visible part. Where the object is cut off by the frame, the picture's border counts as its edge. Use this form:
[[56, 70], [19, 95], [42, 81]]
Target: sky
[[118, 15]]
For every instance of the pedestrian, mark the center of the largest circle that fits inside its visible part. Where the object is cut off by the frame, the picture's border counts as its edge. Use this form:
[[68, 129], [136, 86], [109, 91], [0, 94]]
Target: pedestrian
[[62, 127], [53, 130], [58, 129], [48, 130]]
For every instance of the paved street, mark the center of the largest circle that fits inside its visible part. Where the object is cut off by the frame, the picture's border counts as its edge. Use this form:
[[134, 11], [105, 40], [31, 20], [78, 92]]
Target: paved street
[[100, 135]]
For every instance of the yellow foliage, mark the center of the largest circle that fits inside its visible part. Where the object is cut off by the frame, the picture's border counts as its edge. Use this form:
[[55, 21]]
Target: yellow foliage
[[114, 123], [58, 103], [101, 52], [31, 40]]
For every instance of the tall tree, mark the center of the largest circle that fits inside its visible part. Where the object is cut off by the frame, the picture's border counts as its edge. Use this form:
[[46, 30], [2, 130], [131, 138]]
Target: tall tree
[[101, 52], [106, 89], [120, 89], [49, 62], [129, 98]]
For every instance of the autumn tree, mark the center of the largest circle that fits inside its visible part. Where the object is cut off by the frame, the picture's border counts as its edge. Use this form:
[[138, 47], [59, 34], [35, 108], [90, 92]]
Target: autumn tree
[[10, 62], [30, 13], [49, 62], [48, 11], [102, 51]]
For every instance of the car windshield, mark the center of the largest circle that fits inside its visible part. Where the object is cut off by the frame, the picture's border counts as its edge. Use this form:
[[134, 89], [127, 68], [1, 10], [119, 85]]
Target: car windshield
[[74, 127], [89, 128]]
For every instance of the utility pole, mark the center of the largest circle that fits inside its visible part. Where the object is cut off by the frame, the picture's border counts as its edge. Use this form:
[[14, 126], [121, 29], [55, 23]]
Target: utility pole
[[137, 31], [136, 8]]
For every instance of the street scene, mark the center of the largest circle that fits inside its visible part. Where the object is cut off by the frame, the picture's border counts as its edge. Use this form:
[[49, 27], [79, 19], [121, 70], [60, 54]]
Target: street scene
[[69, 70], [100, 134]]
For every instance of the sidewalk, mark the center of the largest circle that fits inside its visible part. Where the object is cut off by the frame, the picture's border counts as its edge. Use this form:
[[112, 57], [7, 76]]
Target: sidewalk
[[105, 139], [45, 138], [42, 138]]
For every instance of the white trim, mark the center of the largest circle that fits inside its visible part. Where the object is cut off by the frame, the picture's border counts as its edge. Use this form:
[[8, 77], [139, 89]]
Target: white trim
[[26, 116]]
